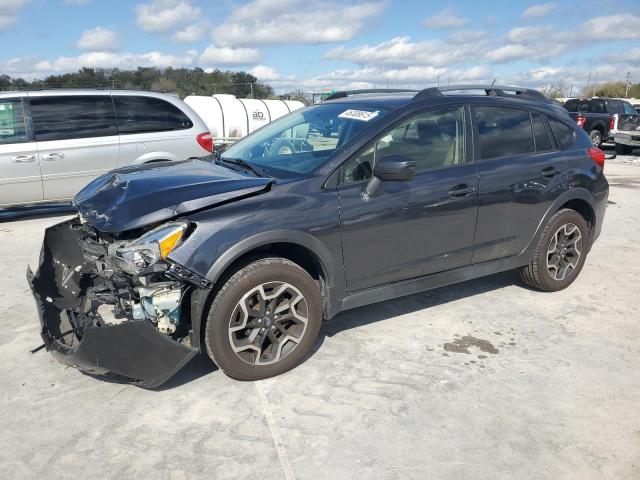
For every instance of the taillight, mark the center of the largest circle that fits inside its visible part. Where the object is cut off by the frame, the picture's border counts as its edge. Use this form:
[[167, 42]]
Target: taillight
[[597, 156], [581, 121], [612, 122], [206, 141]]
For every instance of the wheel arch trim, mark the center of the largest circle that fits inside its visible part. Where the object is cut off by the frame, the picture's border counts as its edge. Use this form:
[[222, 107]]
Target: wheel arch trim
[[304, 240], [301, 239], [579, 193]]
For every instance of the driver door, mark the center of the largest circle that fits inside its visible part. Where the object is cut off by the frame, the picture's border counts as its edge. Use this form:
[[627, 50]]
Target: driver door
[[416, 227]]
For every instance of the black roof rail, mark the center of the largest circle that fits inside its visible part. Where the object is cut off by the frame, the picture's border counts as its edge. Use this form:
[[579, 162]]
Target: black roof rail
[[347, 93], [490, 90]]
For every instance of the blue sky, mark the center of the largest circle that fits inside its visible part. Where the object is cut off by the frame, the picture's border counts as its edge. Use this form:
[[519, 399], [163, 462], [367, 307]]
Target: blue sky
[[314, 44]]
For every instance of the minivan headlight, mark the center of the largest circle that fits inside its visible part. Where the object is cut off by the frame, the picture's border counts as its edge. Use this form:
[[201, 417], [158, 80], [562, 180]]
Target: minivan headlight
[[150, 248]]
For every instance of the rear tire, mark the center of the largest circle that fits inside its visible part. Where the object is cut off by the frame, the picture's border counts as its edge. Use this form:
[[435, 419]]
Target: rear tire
[[264, 319], [559, 254], [596, 138], [624, 149]]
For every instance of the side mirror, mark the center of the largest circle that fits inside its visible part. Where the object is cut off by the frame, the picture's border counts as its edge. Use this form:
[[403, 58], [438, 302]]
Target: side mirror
[[390, 168], [394, 168]]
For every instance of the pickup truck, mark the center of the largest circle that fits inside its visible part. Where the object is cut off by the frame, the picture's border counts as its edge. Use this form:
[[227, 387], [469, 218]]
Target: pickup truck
[[601, 117], [627, 137]]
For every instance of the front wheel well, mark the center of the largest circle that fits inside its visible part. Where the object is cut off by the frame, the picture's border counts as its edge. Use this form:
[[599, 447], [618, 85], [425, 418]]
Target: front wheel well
[[294, 252]]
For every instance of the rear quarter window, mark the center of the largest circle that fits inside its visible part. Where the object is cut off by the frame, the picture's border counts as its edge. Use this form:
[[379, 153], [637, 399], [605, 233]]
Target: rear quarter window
[[564, 135], [148, 114], [72, 117]]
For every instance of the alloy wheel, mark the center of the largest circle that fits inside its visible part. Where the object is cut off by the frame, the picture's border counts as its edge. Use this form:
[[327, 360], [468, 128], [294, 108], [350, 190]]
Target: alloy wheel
[[564, 251], [268, 323]]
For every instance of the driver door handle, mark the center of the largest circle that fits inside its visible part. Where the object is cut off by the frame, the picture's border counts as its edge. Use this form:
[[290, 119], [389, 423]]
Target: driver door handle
[[461, 190]]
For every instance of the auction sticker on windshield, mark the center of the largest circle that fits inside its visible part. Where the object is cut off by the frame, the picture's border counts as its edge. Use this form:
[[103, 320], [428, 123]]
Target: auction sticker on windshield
[[361, 115]]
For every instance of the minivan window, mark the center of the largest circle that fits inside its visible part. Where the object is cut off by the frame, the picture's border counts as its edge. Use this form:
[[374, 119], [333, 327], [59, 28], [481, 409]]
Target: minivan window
[[148, 114], [503, 131], [564, 134], [543, 142], [70, 117], [12, 124]]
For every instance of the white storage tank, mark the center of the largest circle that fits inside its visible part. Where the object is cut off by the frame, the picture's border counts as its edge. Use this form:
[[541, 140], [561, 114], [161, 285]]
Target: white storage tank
[[230, 118]]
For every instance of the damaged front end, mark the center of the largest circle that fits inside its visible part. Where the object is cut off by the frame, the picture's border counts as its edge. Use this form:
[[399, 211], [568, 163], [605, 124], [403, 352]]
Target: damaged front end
[[115, 304]]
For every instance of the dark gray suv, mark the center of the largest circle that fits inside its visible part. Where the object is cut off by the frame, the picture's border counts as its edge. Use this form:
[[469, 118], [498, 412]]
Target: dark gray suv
[[364, 197]]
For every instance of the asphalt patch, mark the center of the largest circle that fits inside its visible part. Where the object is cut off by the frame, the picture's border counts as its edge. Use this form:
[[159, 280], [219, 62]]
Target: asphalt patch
[[462, 345]]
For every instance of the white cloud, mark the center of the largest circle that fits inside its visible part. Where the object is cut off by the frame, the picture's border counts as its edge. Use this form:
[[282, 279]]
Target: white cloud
[[509, 53], [402, 51], [215, 55], [612, 27], [446, 19], [523, 34], [265, 73], [97, 39], [30, 67], [539, 10], [162, 16], [295, 21], [9, 10], [192, 33], [77, 2]]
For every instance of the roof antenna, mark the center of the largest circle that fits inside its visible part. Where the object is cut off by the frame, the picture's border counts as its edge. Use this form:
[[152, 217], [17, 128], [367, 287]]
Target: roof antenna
[[494, 82]]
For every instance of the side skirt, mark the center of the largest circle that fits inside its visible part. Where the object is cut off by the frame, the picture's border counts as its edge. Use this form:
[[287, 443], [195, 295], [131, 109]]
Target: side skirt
[[435, 280]]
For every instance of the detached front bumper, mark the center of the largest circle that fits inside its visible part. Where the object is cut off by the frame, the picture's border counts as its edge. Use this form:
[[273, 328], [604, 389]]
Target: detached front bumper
[[134, 350]]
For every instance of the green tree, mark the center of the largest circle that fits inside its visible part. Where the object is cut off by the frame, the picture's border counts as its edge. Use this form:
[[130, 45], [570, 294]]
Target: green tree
[[610, 89]]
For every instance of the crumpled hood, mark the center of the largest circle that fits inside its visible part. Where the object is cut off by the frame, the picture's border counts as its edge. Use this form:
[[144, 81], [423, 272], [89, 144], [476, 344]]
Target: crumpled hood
[[140, 195]]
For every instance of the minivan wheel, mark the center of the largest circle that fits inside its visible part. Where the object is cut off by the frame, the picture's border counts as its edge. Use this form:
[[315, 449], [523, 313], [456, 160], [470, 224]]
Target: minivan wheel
[[264, 319], [560, 252], [596, 137]]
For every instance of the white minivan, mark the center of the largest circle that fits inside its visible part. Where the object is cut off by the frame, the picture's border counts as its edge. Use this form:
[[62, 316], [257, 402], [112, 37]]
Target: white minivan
[[52, 143]]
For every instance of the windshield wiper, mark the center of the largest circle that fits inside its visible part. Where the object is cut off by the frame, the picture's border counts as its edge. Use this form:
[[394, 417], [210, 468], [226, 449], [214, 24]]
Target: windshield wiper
[[241, 163]]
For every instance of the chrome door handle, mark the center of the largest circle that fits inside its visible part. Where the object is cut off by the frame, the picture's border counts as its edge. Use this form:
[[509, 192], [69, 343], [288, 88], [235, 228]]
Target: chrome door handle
[[23, 159], [53, 156]]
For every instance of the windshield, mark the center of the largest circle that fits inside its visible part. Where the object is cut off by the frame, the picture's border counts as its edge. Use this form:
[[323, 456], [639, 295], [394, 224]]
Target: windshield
[[303, 140]]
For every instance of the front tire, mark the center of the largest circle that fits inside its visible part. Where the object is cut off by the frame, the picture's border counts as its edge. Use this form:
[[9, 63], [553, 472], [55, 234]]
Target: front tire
[[264, 319], [560, 252]]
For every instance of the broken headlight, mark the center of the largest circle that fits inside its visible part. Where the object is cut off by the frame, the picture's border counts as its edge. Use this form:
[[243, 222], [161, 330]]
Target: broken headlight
[[150, 248]]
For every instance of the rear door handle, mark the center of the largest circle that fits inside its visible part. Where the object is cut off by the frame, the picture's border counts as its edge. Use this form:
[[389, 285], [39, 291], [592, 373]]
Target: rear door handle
[[23, 159], [461, 190], [53, 156], [550, 172]]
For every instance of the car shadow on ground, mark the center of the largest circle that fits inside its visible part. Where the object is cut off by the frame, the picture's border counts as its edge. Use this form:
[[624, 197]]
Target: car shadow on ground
[[419, 301], [201, 365]]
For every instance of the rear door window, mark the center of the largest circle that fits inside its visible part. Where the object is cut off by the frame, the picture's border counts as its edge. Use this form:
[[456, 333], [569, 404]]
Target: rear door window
[[503, 131], [563, 133], [543, 142], [148, 114], [70, 117], [13, 128]]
